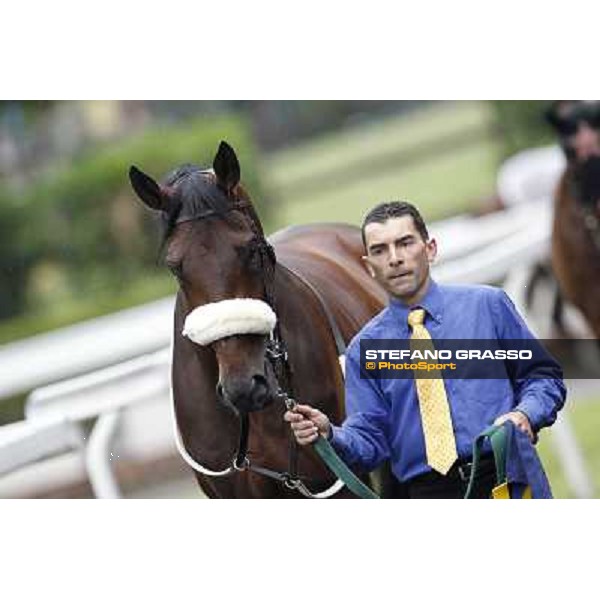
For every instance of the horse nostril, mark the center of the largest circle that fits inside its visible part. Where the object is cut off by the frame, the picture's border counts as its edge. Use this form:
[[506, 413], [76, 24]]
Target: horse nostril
[[245, 395], [260, 390], [259, 383]]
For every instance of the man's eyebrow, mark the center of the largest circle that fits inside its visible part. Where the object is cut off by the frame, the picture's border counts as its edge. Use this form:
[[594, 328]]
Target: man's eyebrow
[[407, 236], [399, 240], [377, 245]]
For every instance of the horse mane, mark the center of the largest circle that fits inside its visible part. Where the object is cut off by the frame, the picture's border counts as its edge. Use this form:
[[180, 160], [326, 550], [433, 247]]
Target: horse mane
[[242, 194]]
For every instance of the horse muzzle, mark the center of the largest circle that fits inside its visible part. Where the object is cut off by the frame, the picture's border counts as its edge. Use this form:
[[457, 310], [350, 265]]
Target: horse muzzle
[[224, 325], [245, 395]]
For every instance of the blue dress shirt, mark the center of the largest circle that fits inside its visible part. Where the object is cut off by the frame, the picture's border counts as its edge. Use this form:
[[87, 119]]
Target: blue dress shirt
[[383, 419]]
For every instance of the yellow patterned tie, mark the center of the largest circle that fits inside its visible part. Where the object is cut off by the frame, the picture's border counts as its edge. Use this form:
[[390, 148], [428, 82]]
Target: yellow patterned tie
[[440, 444]]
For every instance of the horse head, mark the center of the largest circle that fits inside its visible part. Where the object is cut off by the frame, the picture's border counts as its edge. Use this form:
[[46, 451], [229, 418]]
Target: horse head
[[577, 124], [215, 247]]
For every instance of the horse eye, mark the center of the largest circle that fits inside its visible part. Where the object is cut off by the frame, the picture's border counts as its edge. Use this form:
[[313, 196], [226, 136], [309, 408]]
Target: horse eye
[[177, 270], [249, 257], [245, 253]]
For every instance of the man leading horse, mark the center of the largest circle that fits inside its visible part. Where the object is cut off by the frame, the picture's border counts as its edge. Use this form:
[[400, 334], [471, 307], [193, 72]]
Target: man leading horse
[[425, 428]]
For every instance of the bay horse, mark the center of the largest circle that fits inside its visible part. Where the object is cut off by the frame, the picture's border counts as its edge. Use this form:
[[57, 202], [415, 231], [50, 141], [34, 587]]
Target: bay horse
[[251, 313], [576, 226]]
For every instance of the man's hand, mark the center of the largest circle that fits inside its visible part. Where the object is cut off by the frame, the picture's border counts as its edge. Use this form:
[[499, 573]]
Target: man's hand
[[519, 419], [307, 423]]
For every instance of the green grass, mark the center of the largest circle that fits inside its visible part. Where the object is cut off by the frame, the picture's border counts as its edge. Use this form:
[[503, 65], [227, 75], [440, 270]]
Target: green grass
[[584, 416], [440, 186], [389, 135]]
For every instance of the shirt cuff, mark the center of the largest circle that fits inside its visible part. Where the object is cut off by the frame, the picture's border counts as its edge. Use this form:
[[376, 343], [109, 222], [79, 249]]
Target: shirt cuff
[[526, 408], [331, 436], [336, 438], [330, 433]]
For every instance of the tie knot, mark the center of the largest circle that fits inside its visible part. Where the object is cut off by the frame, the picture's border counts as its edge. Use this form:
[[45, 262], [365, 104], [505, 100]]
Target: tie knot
[[416, 317]]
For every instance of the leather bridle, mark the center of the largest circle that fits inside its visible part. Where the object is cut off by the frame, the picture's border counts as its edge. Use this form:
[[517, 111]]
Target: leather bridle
[[276, 354]]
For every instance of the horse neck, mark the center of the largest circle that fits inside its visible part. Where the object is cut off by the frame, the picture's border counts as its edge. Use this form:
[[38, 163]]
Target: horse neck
[[571, 213], [576, 253]]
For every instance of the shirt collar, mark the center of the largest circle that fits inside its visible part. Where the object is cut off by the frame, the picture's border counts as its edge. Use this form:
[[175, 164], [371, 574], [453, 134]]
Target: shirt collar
[[431, 303]]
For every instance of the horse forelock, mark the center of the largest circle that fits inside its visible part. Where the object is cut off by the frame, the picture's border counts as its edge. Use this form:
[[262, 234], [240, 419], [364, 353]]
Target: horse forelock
[[197, 190], [194, 193]]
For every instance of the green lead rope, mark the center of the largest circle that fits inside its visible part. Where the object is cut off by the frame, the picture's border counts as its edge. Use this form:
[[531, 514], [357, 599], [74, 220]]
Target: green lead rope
[[337, 466], [497, 436]]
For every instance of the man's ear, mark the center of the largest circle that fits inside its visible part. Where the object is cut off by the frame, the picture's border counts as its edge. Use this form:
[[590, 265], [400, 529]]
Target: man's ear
[[148, 191], [226, 167], [431, 249], [370, 269]]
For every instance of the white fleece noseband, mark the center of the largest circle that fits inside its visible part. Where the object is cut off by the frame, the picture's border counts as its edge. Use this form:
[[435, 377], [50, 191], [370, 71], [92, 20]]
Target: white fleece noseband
[[236, 316]]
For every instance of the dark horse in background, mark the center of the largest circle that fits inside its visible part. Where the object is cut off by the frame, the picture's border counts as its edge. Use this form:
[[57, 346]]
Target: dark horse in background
[[576, 230], [240, 298]]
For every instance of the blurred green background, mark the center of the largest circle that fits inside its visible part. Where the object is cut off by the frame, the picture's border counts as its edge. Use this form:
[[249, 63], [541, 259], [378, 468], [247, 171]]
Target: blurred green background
[[75, 243]]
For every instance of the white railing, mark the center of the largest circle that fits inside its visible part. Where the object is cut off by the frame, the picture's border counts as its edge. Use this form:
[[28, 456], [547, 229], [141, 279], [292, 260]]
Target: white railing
[[81, 348], [32, 440], [54, 415]]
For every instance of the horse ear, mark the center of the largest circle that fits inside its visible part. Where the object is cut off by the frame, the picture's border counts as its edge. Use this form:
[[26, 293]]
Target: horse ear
[[226, 166], [149, 192]]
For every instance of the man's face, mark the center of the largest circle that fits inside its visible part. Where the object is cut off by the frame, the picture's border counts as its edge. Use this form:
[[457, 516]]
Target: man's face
[[398, 258]]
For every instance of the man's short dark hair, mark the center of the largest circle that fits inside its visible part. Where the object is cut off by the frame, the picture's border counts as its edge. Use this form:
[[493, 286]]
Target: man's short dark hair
[[391, 210]]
